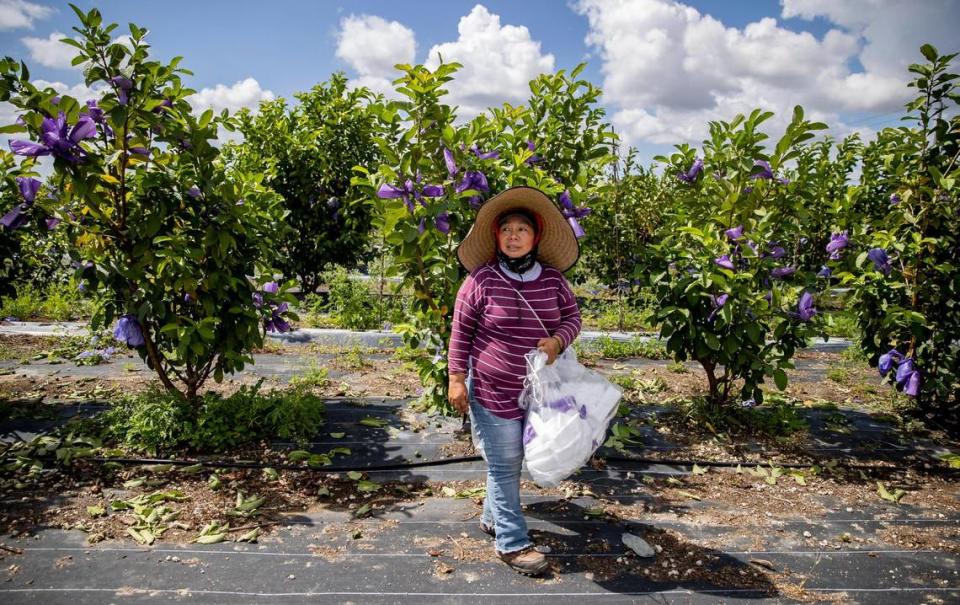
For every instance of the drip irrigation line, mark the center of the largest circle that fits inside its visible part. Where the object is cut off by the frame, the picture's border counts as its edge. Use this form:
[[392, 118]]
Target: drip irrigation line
[[932, 470]]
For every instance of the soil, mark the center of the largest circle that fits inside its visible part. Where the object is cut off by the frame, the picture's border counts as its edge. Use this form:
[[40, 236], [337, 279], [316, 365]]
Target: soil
[[746, 508]]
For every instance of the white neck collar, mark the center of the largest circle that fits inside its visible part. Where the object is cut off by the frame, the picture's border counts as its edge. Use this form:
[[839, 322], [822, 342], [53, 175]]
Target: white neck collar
[[529, 275]]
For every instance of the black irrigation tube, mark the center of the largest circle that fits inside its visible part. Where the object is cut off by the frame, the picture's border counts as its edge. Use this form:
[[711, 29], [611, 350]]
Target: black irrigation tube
[[934, 470]]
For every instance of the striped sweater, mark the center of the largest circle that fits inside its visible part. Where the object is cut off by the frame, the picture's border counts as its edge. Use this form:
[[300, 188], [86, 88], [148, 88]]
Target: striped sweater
[[493, 329]]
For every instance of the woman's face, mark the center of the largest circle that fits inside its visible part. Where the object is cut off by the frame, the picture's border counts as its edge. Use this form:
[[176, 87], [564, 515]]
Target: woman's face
[[515, 237]]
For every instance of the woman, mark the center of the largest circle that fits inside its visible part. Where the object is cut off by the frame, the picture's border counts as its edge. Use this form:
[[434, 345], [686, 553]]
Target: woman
[[515, 299]]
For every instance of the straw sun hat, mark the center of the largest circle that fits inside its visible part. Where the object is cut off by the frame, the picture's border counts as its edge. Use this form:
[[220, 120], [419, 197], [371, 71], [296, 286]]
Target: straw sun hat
[[558, 246]]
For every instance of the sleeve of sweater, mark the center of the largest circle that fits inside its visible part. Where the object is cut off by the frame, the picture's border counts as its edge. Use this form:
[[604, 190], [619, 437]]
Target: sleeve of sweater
[[569, 314], [465, 319]]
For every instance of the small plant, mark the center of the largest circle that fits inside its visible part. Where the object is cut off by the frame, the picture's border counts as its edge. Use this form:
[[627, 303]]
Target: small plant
[[349, 301], [777, 417], [158, 421], [622, 435], [854, 354], [314, 376], [842, 324], [839, 374], [836, 422], [354, 359], [677, 367]]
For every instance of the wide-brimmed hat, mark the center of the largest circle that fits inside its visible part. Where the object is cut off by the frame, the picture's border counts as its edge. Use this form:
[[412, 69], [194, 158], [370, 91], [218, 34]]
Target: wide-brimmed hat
[[558, 245]]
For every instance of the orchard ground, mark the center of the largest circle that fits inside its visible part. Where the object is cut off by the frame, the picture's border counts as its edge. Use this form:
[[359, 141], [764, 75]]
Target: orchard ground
[[824, 499]]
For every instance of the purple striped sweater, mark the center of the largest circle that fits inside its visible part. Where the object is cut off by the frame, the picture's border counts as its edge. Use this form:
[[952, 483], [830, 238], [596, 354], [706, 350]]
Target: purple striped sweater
[[493, 329]]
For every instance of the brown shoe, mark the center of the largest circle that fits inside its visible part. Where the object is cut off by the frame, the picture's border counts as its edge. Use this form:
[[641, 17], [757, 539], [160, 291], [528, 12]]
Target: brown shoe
[[527, 561]]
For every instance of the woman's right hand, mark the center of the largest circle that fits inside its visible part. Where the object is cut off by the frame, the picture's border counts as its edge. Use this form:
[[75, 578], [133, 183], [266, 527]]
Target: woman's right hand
[[457, 394]]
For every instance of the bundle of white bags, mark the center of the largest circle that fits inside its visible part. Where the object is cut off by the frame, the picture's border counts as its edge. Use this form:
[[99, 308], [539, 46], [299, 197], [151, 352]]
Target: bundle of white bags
[[568, 411]]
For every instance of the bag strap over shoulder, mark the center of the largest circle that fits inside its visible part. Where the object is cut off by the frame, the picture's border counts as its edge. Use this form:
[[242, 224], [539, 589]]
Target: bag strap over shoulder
[[504, 280]]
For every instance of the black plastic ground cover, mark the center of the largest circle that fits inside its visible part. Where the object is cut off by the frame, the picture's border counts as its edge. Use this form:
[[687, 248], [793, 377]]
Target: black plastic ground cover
[[390, 562], [379, 433]]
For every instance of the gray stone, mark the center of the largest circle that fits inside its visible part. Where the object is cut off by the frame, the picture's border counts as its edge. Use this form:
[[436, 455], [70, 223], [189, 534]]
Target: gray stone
[[638, 545]]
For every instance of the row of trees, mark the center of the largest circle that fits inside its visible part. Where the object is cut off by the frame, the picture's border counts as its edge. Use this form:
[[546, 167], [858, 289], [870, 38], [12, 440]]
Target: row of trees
[[738, 242]]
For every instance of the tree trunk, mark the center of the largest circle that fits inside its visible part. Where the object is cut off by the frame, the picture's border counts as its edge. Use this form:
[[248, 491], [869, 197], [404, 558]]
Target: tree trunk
[[154, 356], [709, 367]]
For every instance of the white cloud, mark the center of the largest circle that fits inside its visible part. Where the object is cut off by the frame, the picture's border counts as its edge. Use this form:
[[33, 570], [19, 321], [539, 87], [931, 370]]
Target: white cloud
[[372, 46], [892, 30], [668, 69], [15, 14], [245, 93], [50, 51], [81, 92], [498, 62]]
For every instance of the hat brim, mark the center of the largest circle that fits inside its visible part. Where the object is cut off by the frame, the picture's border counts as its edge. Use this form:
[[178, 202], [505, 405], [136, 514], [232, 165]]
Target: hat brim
[[558, 245]]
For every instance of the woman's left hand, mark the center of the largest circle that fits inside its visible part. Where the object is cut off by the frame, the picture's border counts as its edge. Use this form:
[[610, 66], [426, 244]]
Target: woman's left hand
[[551, 346]]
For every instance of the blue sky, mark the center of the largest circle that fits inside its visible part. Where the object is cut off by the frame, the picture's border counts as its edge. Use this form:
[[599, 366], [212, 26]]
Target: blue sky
[[666, 67]]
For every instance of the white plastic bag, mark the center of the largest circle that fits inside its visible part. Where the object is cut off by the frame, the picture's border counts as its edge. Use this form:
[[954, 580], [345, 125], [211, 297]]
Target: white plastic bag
[[568, 411]]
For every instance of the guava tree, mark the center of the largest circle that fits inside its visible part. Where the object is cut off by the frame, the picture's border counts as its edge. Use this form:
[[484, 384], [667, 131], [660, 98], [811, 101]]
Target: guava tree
[[435, 174], [625, 218], [307, 153], [900, 255], [158, 228], [18, 191], [729, 294]]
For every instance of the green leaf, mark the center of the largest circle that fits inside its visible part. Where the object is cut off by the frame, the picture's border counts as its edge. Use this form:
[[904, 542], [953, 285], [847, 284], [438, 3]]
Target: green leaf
[[355, 475], [886, 495], [374, 422], [211, 538], [780, 378], [366, 486], [952, 460], [298, 455], [96, 511], [132, 483]]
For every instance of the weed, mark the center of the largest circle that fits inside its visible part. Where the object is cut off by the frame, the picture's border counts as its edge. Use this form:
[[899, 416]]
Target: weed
[[157, 421], [777, 417], [839, 374], [353, 359], [314, 376]]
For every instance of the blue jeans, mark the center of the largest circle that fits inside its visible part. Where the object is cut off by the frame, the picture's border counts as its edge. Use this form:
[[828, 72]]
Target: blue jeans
[[502, 444]]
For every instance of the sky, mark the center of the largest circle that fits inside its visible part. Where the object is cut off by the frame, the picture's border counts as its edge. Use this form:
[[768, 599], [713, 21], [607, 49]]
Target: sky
[[666, 68]]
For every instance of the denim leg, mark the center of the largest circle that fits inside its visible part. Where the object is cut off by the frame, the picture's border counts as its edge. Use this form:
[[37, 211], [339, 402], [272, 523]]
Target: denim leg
[[503, 446]]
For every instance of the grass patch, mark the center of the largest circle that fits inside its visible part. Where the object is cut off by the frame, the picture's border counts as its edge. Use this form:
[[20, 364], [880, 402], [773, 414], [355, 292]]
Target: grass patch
[[606, 347], [609, 317], [56, 302]]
